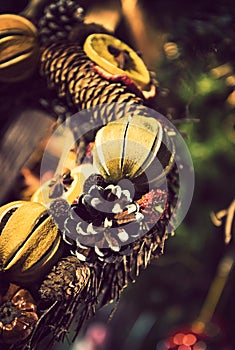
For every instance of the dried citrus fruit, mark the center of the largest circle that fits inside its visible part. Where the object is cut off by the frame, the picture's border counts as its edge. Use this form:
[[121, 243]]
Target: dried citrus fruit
[[29, 240], [116, 57], [74, 190], [19, 49]]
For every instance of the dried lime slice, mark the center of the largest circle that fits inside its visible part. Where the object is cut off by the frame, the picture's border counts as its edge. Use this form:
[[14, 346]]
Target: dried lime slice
[[116, 57]]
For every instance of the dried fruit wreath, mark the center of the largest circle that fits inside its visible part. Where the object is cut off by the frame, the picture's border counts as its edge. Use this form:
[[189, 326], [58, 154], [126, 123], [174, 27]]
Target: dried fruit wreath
[[104, 220]]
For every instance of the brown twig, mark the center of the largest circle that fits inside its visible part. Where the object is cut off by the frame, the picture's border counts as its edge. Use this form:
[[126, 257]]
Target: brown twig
[[216, 218], [34, 8]]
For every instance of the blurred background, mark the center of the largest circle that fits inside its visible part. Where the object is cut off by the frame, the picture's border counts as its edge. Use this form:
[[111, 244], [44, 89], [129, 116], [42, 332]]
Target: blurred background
[[191, 48]]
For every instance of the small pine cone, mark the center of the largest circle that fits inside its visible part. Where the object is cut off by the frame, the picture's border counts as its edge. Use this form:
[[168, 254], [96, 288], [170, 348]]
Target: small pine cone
[[58, 20], [68, 70], [98, 221], [55, 108], [66, 280], [59, 209]]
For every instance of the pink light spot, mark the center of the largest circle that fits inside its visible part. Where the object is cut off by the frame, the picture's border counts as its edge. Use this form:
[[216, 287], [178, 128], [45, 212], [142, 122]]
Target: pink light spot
[[189, 339], [178, 338], [184, 347]]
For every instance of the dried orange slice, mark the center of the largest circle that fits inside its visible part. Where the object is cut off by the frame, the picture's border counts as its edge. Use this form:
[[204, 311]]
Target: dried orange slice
[[79, 175], [116, 57]]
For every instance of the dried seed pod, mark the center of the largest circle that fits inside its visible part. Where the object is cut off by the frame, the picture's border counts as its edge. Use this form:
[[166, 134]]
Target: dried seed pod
[[136, 148], [17, 315], [19, 51], [29, 241], [65, 281]]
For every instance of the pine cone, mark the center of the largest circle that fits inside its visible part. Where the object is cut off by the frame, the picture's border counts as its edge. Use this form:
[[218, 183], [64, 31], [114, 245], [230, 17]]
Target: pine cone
[[58, 20], [65, 281], [69, 70], [103, 222]]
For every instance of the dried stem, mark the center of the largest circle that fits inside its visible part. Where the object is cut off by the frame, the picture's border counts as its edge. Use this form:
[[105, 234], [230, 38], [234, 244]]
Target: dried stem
[[229, 214]]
